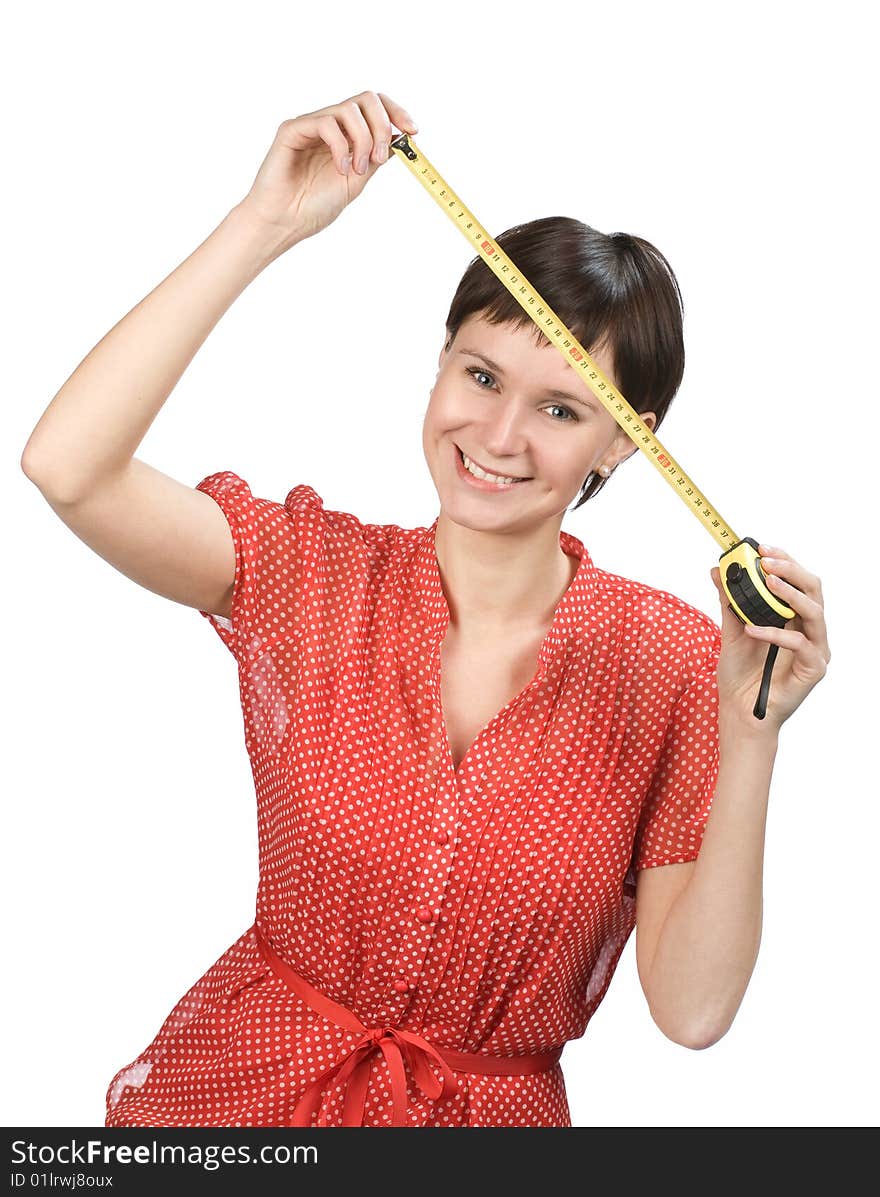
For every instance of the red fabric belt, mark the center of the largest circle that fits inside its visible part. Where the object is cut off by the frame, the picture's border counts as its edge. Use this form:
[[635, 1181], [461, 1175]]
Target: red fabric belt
[[395, 1044]]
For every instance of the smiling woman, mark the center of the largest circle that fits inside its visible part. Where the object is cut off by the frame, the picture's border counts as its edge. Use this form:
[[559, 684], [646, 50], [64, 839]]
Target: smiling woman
[[466, 739], [612, 289], [531, 433]]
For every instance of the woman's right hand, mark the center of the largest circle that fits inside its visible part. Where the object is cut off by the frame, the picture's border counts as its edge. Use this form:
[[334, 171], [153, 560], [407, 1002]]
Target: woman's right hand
[[310, 175]]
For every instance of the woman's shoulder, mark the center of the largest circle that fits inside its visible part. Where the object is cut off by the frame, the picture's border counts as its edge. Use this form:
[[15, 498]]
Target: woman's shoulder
[[343, 530], [663, 619]]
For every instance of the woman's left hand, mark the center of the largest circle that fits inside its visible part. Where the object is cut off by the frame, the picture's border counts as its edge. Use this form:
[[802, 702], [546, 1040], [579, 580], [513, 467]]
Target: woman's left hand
[[803, 645]]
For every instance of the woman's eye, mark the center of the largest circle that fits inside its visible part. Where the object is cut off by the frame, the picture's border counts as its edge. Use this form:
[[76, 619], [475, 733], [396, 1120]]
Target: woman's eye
[[475, 371]]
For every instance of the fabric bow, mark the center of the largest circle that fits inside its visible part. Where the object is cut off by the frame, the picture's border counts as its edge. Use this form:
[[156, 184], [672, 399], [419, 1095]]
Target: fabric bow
[[354, 1071]]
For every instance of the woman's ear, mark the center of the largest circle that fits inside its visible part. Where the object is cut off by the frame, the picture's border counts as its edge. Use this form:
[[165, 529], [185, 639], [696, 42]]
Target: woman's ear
[[647, 417]]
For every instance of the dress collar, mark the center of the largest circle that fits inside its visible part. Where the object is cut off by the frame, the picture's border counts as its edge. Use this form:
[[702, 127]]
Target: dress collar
[[574, 611]]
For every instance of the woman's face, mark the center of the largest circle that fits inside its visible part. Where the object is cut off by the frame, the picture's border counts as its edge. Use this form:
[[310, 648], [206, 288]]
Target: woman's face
[[506, 419]]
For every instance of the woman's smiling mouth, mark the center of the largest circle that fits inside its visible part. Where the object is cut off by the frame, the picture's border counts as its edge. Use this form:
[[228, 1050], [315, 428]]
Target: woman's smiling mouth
[[496, 482]]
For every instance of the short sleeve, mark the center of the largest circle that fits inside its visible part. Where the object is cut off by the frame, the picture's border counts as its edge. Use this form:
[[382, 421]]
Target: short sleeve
[[681, 790], [270, 565]]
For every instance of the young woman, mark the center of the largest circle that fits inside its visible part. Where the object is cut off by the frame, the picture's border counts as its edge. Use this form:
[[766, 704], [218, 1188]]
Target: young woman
[[480, 760]]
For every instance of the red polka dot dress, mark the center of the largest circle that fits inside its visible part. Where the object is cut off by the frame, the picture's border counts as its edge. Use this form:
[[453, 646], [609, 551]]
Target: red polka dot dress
[[426, 939]]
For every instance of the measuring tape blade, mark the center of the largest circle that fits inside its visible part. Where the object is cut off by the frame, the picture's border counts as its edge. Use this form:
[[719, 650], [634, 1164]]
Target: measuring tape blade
[[741, 574]]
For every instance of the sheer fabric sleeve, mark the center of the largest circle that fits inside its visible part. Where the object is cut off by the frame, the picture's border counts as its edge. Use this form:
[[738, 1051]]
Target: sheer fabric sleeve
[[679, 797], [272, 553]]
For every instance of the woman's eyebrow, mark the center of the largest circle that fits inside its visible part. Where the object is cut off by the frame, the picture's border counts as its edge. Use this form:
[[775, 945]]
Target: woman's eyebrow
[[553, 392]]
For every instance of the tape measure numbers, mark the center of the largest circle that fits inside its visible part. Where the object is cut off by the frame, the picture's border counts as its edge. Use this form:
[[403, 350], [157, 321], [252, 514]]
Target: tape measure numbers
[[742, 577]]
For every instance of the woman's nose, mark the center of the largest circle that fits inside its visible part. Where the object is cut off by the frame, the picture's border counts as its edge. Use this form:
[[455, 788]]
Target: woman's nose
[[505, 431]]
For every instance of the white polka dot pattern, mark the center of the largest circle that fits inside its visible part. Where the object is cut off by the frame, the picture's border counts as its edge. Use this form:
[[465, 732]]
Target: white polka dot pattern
[[483, 908]]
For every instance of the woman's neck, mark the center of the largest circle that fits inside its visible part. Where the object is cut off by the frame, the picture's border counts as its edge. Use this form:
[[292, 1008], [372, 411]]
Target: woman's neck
[[500, 583]]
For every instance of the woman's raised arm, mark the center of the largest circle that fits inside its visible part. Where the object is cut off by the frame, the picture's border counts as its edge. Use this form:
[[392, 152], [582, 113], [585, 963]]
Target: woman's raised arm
[[161, 533]]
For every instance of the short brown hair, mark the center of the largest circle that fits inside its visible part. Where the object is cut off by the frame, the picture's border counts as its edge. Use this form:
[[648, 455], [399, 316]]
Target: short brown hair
[[611, 289]]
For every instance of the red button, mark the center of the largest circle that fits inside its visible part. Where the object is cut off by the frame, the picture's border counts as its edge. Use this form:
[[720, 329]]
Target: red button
[[424, 914], [401, 986], [441, 836]]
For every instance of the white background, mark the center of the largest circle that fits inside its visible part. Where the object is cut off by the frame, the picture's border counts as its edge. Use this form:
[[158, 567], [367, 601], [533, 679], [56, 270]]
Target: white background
[[738, 141]]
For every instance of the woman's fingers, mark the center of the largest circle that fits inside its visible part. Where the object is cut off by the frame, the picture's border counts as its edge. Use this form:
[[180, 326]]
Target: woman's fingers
[[793, 573], [367, 122], [379, 118], [772, 557], [801, 590], [355, 130], [332, 134], [359, 133], [799, 601], [398, 114], [320, 126]]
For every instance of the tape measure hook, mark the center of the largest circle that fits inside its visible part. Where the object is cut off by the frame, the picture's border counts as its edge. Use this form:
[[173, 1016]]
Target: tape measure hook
[[402, 143]]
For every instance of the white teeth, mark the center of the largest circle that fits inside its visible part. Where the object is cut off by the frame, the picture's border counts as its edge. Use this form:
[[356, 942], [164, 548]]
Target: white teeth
[[478, 473]]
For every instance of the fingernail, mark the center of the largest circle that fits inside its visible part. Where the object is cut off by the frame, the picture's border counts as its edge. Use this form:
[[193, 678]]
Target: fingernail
[[362, 165]]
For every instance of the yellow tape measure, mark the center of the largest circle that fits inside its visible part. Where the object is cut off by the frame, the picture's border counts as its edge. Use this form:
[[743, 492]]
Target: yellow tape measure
[[742, 577]]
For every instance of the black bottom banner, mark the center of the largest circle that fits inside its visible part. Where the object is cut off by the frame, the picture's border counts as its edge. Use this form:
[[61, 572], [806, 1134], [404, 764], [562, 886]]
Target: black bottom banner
[[402, 1160]]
